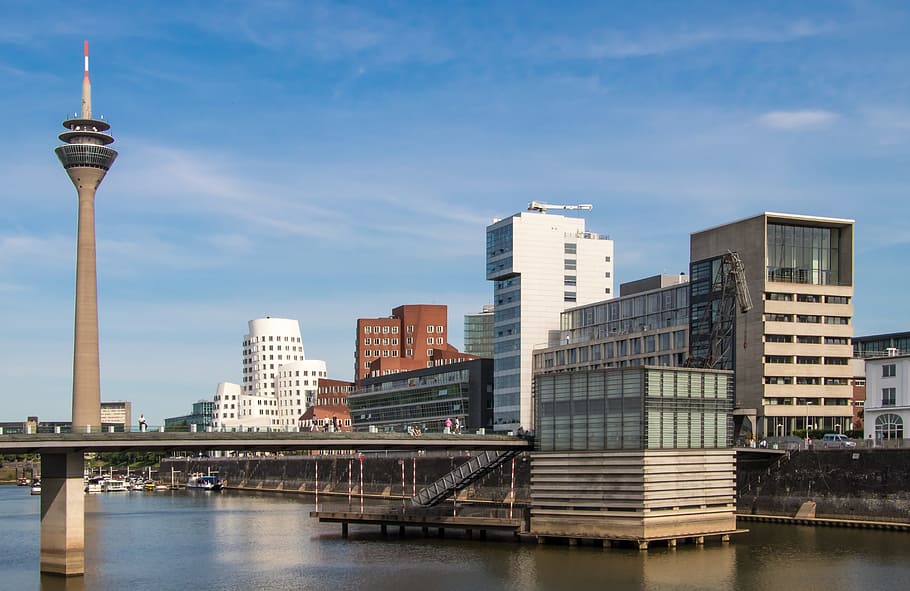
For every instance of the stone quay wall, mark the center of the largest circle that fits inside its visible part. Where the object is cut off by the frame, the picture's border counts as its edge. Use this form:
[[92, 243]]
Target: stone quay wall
[[381, 474], [869, 484]]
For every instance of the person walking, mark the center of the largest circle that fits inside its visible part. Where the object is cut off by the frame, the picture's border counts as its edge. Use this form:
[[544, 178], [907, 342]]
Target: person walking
[[142, 423], [448, 425]]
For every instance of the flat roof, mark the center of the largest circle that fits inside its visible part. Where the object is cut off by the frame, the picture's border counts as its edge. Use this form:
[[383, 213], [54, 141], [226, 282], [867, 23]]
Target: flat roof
[[789, 216]]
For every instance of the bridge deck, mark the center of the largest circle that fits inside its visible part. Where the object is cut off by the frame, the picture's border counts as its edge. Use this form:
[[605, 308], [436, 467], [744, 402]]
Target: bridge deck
[[248, 441]]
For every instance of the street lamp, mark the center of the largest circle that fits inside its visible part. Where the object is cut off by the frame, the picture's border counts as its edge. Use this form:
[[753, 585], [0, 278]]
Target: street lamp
[[808, 402]]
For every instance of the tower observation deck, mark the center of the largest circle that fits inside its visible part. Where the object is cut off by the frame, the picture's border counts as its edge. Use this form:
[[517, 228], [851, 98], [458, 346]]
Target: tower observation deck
[[86, 158]]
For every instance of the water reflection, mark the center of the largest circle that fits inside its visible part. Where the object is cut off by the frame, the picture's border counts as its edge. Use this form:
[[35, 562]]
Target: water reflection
[[176, 540]]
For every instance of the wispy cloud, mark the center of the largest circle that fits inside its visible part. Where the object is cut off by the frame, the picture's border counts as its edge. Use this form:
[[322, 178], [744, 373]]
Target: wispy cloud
[[621, 44], [795, 120]]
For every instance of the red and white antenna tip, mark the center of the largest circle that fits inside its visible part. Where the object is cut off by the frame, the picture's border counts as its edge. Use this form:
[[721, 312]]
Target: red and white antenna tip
[[86, 59]]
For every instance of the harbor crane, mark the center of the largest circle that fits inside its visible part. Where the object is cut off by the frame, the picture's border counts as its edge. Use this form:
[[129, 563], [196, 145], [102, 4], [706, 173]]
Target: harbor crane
[[543, 207], [712, 345]]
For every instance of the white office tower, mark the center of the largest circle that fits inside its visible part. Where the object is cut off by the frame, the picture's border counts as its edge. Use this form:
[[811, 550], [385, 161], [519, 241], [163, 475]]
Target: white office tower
[[278, 382], [540, 264]]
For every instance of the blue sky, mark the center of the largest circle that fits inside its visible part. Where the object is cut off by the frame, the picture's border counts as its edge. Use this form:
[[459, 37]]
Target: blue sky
[[327, 161]]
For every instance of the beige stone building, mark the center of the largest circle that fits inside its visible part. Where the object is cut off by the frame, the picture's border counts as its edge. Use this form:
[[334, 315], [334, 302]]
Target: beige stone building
[[792, 350]]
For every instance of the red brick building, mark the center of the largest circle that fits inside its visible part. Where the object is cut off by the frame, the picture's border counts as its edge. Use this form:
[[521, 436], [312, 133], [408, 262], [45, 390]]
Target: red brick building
[[333, 392], [415, 336], [319, 417]]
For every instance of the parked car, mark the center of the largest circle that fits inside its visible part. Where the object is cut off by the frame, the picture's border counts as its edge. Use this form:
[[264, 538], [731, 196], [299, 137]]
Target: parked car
[[837, 440]]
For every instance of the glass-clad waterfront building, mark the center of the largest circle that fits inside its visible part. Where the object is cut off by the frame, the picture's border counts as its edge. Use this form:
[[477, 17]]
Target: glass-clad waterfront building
[[540, 264], [634, 408], [426, 398], [793, 349], [646, 325]]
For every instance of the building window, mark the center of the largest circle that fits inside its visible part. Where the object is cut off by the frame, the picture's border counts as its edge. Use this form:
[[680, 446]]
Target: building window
[[889, 426], [809, 318], [805, 297], [779, 317], [837, 360], [808, 340], [438, 340], [429, 354], [837, 320], [778, 359], [385, 329], [367, 341], [410, 341], [430, 328], [410, 328], [429, 340], [889, 370], [837, 340], [837, 300], [778, 338], [439, 329], [779, 297], [808, 360], [778, 380], [889, 396]]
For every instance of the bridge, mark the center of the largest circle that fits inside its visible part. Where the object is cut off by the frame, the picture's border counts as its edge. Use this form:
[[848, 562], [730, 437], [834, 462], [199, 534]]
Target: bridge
[[62, 468], [262, 441]]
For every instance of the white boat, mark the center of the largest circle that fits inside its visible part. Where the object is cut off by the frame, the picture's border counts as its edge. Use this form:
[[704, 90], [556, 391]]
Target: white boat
[[93, 485], [112, 485], [36, 487], [202, 482]]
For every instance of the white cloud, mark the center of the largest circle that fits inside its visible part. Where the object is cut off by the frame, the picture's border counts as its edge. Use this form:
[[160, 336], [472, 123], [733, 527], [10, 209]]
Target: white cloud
[[792, 120], [620, 44]]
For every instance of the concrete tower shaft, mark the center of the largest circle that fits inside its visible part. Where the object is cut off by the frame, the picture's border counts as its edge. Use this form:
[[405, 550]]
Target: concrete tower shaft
[[86, 159]]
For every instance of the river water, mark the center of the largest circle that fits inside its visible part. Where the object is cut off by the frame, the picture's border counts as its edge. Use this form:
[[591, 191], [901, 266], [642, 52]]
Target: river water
[[231, 540]]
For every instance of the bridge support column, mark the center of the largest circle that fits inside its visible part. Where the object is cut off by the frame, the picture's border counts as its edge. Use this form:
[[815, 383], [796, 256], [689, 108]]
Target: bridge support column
[[62, 514]]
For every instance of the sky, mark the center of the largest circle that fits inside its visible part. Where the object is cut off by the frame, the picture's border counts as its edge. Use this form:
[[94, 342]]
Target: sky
[[326, 161]]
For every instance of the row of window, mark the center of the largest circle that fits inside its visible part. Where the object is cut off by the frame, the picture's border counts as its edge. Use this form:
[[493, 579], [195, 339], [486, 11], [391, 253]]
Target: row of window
[[811, 403], [393, 341], [271, 338], [806, 339], [805, 297], [807, 359], [394, 329], [807, 380], [807, 318]]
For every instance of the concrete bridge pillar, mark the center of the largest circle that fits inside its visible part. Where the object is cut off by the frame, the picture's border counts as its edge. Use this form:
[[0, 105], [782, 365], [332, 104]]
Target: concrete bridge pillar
[[62, 514]]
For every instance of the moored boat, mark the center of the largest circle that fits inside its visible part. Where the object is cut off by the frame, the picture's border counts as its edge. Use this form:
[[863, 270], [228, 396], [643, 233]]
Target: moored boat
[[36, 487], [112, 485], [93, 485], [202, 482]]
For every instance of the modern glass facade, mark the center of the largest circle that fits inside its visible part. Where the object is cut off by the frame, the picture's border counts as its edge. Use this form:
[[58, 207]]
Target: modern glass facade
[[634, 408], [878, 345], [478, 333], [713, 315], [803, 254], [425, 398]]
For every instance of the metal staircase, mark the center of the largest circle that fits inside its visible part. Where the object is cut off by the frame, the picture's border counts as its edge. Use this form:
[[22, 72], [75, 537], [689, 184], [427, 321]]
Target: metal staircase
[[476, 467]]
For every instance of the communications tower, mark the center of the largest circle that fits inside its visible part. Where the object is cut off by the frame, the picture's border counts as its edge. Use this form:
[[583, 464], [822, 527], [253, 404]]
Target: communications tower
[[86, 158]]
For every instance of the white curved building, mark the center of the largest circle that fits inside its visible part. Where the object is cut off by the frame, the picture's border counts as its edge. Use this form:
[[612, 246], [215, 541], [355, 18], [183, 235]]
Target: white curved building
[[227, 405], [296, 389], [278, 383]]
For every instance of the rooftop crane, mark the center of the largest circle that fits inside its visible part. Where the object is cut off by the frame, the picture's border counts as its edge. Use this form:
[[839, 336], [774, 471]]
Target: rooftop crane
[[543, 207], [712, 347]]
